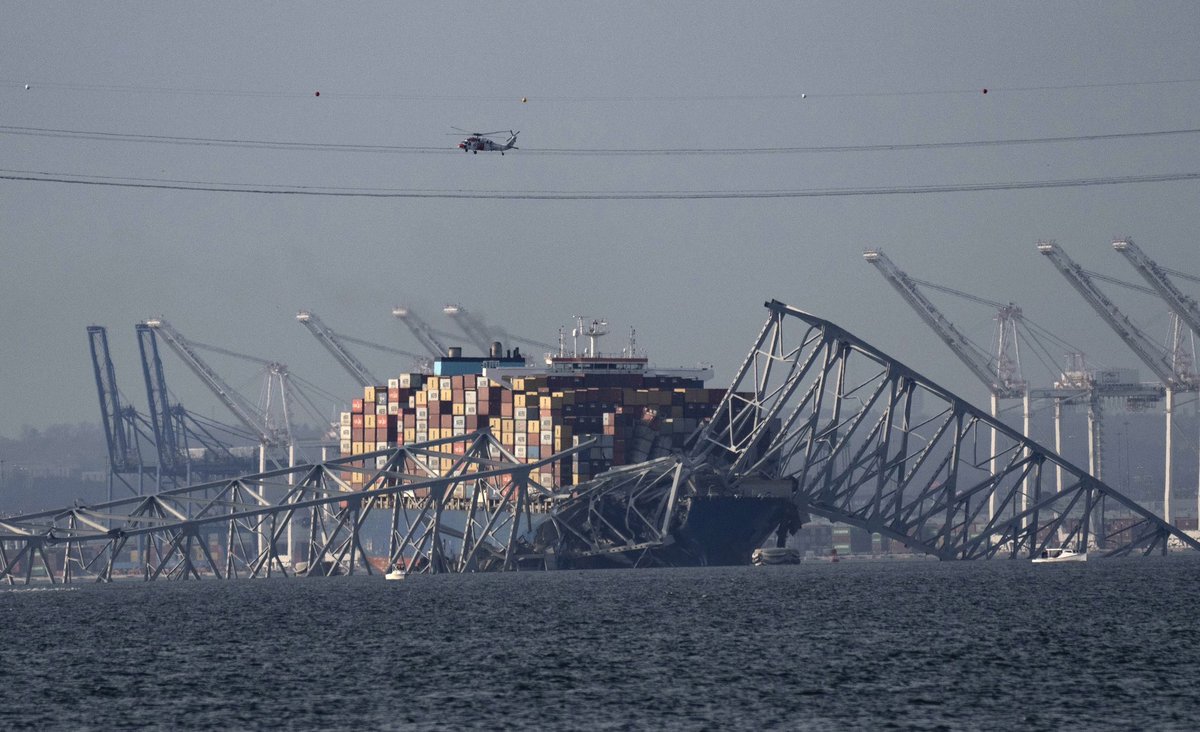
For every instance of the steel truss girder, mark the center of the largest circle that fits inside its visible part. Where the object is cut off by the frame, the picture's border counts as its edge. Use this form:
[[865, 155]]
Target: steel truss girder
[[245, 519], [814, 404]]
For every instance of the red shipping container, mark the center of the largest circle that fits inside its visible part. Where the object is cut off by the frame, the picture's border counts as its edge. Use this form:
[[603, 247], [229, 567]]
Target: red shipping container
[[356, 406]]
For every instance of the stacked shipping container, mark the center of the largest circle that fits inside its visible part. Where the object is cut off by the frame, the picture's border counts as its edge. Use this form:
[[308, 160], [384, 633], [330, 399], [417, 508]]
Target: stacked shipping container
[[631, 416]]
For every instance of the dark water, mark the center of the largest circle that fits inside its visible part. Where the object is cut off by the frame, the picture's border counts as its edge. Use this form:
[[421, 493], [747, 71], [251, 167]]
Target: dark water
[[1109, 644]]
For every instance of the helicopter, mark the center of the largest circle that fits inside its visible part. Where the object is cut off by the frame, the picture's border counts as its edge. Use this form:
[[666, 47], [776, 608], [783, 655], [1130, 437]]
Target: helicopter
[[477, 141]]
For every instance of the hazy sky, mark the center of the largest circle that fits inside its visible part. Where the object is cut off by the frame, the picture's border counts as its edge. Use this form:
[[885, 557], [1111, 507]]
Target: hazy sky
[[232, 269]]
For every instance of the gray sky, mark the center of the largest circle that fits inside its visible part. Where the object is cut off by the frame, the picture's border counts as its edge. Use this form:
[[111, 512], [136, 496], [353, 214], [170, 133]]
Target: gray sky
[[691, 275]]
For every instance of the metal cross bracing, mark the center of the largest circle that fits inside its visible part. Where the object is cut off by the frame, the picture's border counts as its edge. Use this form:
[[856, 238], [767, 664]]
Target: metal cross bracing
[[867, 441], [466, 517]]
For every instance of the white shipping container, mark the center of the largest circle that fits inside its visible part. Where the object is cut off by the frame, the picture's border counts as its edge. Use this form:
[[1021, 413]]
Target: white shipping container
[[405, 381], [547, 437], [519, 451], [344, 447], [460, 422], [520, 413], [393, 383], [344, 432], [521, 438], [345, 419], [471, 408]]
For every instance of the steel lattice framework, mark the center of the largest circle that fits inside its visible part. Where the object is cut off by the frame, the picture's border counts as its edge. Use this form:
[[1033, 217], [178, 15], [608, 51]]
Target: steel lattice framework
[[816, 422], [250, 520], [869, 442]]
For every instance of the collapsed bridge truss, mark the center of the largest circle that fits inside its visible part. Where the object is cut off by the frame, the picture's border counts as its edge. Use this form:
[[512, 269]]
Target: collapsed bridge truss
[[816, 419], [867, 441]]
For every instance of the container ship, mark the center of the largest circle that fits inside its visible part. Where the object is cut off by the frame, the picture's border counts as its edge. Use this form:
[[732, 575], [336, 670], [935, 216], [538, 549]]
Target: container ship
[[630, 410]]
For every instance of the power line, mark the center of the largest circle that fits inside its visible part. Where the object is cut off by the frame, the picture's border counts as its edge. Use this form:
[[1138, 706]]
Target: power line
[[572, 99], [391, 149], [363, 192]]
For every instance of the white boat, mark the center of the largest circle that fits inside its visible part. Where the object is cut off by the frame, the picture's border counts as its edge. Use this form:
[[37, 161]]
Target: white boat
[[395, 574], [775, 555], [1060, 554]]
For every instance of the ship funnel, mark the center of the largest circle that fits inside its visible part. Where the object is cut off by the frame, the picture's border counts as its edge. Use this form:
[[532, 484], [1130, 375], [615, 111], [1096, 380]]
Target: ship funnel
[[454, 352], [497, 350]]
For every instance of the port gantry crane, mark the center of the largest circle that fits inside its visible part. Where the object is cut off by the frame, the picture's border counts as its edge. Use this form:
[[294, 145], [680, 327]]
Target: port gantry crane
[[124, 428], [1001, 373], [256, 420], [176, 429], [1174, 373], [1184, 307]]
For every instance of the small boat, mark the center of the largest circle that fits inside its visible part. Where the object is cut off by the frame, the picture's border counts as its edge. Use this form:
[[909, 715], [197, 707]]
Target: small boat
[[1060, 554], [775, 555], [395, 574]]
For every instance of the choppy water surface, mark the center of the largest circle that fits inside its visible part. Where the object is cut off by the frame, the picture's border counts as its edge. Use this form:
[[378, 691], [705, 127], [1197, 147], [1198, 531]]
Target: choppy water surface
[[1111, 644]]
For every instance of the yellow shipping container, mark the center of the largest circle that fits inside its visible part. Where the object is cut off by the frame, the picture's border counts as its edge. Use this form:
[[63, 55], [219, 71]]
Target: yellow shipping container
[[518, 383], [533, 426], [356, 448], [422, 399], [458, 409], [545, 403], [410, 435], [495, 424], [369, 421], [518, 401], [507, 425], [368, 395], [435, 433]]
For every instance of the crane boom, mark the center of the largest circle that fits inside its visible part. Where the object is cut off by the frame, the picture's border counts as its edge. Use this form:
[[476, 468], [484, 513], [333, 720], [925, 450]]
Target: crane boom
[[980, 363], [1183, 306], [1138, 342], [421, 330], [334, 345], [471, 326], [245, 412]]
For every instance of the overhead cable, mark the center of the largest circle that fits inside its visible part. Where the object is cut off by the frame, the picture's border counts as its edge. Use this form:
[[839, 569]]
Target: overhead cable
[[393, 149], [364, 192]]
